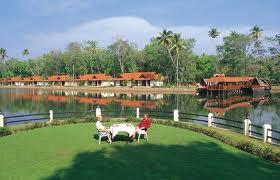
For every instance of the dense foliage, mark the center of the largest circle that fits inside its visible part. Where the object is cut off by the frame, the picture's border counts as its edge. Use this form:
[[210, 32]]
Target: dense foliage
[[168, 54], [5, 131]]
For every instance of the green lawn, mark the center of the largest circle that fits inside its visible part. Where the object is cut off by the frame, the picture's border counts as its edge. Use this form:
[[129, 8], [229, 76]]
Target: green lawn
[[72, 152]]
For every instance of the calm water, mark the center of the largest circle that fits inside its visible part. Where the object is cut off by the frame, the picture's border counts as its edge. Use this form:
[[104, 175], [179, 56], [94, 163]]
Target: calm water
[[261, 109]]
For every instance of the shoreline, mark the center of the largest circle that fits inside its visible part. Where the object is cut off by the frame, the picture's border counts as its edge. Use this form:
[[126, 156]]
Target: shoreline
[[135, 89], [140, 90]]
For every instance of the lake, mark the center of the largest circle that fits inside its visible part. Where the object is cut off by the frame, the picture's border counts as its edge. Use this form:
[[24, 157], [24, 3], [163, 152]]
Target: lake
[[260, 109]]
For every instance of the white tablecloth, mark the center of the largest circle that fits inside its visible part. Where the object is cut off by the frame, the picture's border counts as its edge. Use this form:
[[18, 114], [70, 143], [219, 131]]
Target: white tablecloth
[[116, 128]]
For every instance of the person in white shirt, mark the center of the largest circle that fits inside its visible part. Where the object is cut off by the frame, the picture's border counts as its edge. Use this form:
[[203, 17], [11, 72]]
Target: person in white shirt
[[100, 127]]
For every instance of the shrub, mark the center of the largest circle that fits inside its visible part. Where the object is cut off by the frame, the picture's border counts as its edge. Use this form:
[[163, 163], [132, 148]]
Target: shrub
[[245, 145], [130, 119], [5, 131]]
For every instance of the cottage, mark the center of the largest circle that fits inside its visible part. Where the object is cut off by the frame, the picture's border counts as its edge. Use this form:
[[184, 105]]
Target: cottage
[[260, 85], [95, 80], [60, 80], [126, 79], [2, 81], [16, 81], [37, 81], [139, 79]]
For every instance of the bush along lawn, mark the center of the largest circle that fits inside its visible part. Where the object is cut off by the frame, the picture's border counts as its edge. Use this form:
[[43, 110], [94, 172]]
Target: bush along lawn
[[252, 146]]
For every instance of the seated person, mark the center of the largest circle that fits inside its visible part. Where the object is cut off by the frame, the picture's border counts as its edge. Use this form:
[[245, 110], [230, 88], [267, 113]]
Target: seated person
[[99, 125], [144, 124]]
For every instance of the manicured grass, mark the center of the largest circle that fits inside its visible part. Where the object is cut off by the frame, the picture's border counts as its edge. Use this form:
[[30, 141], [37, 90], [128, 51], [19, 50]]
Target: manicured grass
[[72, 152]]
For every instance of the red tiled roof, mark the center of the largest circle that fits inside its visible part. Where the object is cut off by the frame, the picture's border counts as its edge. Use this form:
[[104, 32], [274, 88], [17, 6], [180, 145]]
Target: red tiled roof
[[58, 78], [228, 79], [36, 78], [87, 77], [13, 79], [138, 76], [2, 80], [94, 77]]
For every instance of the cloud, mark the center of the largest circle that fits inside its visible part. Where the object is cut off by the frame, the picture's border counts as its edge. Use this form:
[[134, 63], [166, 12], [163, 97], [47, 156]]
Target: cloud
[[137, 30]]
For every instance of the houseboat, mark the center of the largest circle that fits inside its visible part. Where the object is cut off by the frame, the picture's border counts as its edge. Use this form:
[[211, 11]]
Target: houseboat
[[219, 84]]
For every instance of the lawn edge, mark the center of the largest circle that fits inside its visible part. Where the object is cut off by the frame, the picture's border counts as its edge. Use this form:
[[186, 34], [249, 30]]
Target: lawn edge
[[247, 144]]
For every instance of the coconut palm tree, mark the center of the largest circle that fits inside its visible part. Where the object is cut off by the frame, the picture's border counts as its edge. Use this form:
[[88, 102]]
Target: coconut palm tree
[[177, 46], [213, 33], [3, 56], [256, 33], [234, 34], [165, 39], [25, 52]]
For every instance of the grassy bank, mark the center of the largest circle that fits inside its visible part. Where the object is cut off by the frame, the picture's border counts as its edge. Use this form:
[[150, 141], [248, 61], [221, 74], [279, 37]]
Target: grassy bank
[[71, 152], [135, 89]]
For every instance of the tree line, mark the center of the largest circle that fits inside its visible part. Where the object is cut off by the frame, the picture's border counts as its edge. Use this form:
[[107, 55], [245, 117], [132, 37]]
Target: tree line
[[251, 54]]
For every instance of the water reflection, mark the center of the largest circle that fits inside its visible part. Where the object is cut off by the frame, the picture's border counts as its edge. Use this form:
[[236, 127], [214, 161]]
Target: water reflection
[[220, 106], [260, 109], [149, 101]]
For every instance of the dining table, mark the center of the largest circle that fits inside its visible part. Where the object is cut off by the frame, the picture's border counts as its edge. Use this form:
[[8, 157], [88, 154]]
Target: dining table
[[123, 127]]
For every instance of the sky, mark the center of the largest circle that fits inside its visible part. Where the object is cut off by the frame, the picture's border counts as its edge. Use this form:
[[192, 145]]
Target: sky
[[45, 25]]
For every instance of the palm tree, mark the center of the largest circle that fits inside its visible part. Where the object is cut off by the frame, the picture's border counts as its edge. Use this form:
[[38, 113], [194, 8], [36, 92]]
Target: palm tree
[[234, 34], [256, 33], [177, 46], [213, 33], [25, 52], [3, 56], [165, 39]]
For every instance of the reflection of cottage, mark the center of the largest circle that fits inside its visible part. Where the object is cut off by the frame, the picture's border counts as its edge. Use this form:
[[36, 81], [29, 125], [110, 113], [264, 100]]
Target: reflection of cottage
[[139, 79], [220, 106], [95, 80]]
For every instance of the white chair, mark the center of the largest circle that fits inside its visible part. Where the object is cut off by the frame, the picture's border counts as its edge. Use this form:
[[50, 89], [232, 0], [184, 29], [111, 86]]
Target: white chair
[[142, 131], [104, 133]]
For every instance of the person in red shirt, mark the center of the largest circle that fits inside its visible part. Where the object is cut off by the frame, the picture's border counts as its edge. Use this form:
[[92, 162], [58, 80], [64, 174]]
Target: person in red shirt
[[145, 123]]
